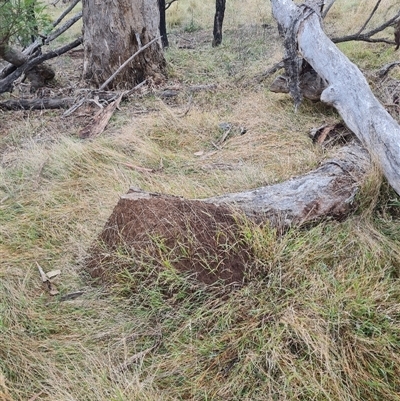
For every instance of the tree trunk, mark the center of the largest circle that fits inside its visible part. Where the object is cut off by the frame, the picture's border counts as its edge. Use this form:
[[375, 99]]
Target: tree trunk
[[163, 24], [347, 89], [218, 21], [114, 31], [327, 191], [205, 237]]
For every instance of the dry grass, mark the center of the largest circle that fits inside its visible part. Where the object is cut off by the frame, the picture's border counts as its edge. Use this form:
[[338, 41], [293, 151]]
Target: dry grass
[[318, 317]]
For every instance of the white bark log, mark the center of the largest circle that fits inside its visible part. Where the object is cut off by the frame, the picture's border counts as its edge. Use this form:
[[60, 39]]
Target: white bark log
[[327, 191], [347, 90]]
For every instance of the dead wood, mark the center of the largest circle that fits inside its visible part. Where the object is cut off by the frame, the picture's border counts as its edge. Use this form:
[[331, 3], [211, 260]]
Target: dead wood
[[7, 82], [310, 83], [204, 238], [367, 36], [65, 12], [37, 104], [16, 58], [102, 97], [99, 122], [38, 75], [347, 89], [328, 191], [272, 70], [386, 68], [55, 34], [124, 64]]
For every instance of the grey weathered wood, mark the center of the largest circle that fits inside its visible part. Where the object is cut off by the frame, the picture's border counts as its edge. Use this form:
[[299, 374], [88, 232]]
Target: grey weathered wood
[[7, 82], [327, 191], [347, 90]]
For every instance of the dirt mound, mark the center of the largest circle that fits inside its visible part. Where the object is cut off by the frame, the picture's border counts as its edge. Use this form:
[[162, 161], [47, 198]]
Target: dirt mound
[[203, 240]]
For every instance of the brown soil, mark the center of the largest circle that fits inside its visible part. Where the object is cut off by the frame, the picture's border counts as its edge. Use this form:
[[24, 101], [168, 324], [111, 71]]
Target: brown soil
[[193, 237]]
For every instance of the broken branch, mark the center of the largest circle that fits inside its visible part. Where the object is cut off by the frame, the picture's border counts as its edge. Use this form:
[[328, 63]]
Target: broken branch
[[6, 83], [123, 65]]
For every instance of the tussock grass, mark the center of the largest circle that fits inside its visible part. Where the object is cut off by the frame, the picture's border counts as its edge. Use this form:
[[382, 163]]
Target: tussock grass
[[317, 316]]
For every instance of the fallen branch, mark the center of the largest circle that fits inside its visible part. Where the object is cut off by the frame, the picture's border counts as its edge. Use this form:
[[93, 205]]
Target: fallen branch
[[6, 83], [100, 120], [55, 34], [347, 89], [367, 37], [272, 70], [32, 50], [37, 104], [65, 102], [327, 191], [386, 68], [65, 12]]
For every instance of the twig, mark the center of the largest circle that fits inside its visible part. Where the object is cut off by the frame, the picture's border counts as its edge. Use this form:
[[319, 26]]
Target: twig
[[42, 273], [130, 91], [189, 106], [63, 28], [74, 107], [124, 95], [327, 8], [121, 67], [369, 18], [67, 10], [223, 138], [276, 67], [386, 68], [367, 36], [136, 357], [138, 168], [168, 5], [49, 37]]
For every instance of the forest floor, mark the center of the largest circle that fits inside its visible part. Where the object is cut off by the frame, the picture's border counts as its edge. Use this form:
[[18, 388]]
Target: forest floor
[[311, 314]]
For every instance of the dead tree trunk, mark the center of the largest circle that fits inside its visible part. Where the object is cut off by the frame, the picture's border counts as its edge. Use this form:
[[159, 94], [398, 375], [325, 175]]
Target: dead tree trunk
[[327, 191], [347, 89], [114, 31], [205, 237], [218, 21], [163, 23]]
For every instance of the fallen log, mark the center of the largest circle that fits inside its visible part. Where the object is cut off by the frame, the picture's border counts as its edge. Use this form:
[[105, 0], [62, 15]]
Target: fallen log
[[325, 192], [37, 104], [205, 237], [347, 89], [58, 102]]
